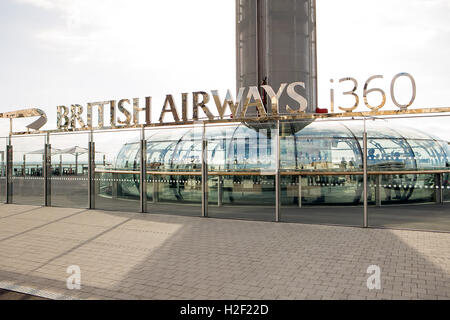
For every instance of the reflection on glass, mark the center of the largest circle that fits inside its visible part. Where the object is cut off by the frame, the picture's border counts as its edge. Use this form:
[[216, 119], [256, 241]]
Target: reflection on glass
[[318, 146], [3, 143], [241, 163], [69, 170], [335, 147], [28, 169], [446, 186], [174, 170], [242, 147], [241, 170], [117, 165], [320, 164], [322, 190]]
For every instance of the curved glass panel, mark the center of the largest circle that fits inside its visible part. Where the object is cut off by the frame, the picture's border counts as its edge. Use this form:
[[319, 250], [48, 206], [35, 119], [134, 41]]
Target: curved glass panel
[[174, 170], [417, 160], [389, 154], [241, 148], [311, 149], [241, 170], [428, 154], [323, 129], [374, 129], [241, 163], [117, 165]]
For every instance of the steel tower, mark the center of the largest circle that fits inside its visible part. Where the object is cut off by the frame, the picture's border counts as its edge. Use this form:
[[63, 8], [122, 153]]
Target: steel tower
[[276, 43]]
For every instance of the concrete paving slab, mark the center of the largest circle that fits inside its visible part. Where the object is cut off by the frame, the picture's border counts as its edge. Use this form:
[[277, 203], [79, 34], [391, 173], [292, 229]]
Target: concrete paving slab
[[124, 255]]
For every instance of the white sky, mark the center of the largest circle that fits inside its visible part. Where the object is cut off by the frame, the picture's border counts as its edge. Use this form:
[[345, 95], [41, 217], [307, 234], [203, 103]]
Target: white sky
[[65, 51]]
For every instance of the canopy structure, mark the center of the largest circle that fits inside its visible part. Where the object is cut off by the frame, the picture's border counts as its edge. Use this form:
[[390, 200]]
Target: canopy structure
[[41, 151], [75, 151]]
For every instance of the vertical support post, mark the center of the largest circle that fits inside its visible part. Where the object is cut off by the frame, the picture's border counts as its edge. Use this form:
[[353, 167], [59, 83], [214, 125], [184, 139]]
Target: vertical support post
[[3, 170], [115, 185], [439, 190], [96, 186], [91, 171], [76, 164], [277, 173], [155, 189], [47, 170], [443, 187], [378, 190], [60, 165], [24, 165], [299, 191], [143, 175], [219, 191], [365, 218], [204, 173], [9, 172], [313, 55]]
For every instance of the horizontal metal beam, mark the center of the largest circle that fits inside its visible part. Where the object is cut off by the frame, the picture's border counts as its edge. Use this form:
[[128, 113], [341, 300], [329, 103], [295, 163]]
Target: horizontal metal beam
[[266, 173], [301, 116], [358, 173]]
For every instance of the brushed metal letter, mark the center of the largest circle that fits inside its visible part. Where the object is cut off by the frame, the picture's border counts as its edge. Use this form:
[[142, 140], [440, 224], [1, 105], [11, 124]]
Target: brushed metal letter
[[112, 113], [148, 110], [351, 92], [413, 84], [136, 111], [62, 112], [229, 101], [172, 109], [253, 93], [303, 103], [101, 113], [125, 112], [366, 92], [76, 112], [202, 104], [274, 98]]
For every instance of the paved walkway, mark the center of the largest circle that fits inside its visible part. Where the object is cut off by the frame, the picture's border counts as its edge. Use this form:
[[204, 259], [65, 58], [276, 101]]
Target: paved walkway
[[12, 295], [132, 256]]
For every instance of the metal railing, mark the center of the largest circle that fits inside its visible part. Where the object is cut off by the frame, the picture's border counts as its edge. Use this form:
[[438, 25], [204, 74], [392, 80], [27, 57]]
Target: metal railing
[[277, 172]]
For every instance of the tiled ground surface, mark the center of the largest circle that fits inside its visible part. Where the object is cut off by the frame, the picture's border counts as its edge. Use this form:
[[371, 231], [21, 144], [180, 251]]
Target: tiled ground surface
[[129, 256], [12, 295]]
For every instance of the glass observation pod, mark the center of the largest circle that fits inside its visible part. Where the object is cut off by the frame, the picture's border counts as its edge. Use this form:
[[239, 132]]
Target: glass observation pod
[[322, 159]]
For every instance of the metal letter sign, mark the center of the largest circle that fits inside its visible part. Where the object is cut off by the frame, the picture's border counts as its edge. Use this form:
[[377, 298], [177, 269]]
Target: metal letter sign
[[26, 113], [248, 106]]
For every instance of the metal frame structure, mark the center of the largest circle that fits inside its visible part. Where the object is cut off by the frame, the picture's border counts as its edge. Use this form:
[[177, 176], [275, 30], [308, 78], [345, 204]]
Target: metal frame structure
[[9, 169], [91, 172], [143, 173], [263, 119], [204, 159], [277, 173], [47, 171], [365, 213]]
